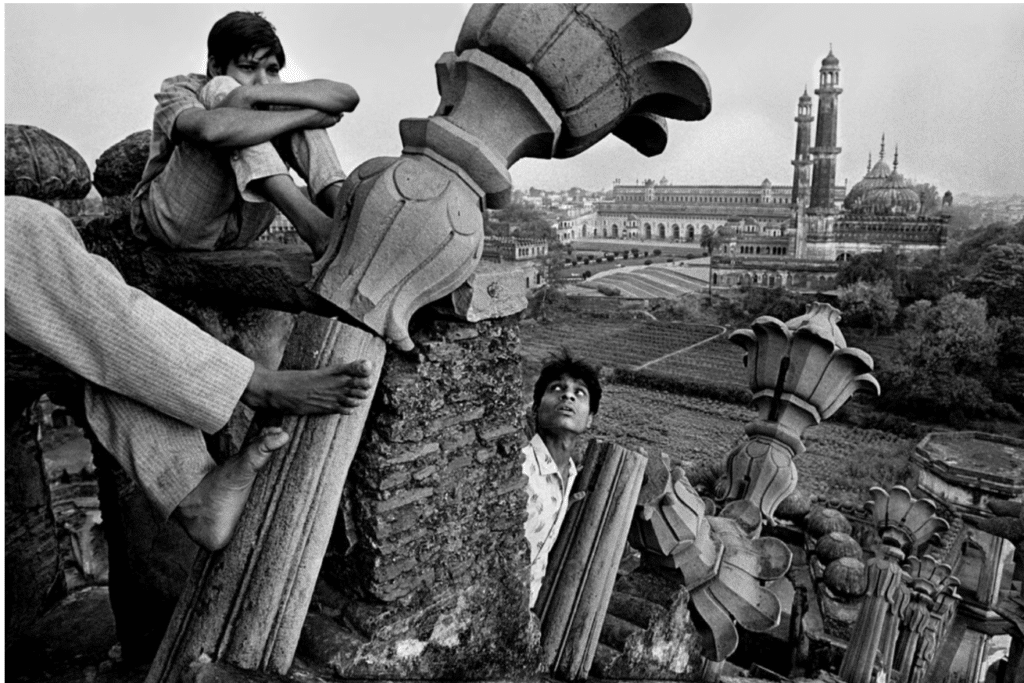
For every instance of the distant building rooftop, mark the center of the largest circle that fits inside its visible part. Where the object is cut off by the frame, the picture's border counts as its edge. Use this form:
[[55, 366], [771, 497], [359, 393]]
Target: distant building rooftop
[[967, 469]]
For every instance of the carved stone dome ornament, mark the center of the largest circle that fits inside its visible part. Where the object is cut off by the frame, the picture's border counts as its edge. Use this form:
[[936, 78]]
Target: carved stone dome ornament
[[39, 165]]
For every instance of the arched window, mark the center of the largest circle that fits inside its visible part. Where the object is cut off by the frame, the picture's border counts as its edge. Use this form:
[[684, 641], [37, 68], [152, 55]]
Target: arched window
[[675, 231], [615, 230], [690, 232], [661, 230], [647, 230]]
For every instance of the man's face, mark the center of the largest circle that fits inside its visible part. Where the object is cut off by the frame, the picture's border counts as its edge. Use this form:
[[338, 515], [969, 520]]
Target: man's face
[[564, 407], [256, 68]]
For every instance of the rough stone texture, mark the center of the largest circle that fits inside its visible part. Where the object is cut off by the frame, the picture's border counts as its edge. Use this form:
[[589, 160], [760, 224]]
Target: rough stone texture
[[427, 575], [490, 293], [266, 275], [39, 165], [119, 168], [31, 555], [662, 644]]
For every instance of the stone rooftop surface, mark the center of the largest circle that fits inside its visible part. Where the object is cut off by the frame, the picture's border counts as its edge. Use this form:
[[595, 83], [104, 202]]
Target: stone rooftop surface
[[984, 460]]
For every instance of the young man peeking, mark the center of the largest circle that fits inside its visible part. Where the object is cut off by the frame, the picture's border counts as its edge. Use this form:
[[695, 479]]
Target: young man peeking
[[565, 399]]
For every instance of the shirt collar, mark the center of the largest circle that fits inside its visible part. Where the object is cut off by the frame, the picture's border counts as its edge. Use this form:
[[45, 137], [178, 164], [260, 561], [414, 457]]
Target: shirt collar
[[545, 463]]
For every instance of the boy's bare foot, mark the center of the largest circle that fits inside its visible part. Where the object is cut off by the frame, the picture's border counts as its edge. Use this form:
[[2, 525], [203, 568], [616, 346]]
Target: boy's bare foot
[[335, 389], [210, 512]]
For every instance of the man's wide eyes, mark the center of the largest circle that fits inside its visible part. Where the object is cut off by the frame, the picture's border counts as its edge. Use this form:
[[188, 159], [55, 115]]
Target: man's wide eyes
[[557, 388]]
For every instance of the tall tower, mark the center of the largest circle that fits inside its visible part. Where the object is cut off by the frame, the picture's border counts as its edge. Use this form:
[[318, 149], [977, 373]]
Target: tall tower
[[802, 160], [825, 149]]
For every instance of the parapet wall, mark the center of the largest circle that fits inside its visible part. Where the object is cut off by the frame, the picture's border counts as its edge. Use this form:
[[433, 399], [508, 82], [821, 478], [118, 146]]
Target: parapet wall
[[426, 575]]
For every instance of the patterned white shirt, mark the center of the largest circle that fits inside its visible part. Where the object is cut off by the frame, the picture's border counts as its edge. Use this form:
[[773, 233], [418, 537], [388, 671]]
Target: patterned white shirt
[[547, 502]]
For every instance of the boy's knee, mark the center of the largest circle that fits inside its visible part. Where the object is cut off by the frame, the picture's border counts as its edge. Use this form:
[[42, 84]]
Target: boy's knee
[[216, 90]]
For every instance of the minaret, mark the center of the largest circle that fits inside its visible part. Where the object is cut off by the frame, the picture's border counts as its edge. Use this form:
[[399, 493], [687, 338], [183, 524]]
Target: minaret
[[825, 149], [802, 160]]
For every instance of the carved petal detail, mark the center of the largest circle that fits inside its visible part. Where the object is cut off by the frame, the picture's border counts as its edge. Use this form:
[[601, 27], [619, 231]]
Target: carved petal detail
[[903, 520], [399, 252], [598, 64], [719, 637]]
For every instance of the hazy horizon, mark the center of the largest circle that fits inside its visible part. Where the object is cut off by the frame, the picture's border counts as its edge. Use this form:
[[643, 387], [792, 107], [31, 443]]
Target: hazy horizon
[[937, 80]]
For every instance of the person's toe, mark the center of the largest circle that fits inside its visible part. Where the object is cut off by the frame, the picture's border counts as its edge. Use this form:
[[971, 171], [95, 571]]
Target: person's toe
[[259, 451]]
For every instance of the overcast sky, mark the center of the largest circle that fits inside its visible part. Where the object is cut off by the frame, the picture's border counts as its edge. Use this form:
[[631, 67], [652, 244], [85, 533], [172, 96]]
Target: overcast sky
[[944, 82]]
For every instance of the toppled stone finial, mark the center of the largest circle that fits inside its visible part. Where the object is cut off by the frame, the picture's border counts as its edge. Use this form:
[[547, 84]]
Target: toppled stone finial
[[720, 560]]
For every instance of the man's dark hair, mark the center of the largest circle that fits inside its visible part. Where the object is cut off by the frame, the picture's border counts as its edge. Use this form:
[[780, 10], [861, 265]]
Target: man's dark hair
[[564, 365], [239, 34]]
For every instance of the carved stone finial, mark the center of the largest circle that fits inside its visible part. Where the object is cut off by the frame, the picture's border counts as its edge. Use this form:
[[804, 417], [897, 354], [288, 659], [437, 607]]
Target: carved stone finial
[[719, 562], [904, 522], [525, 80], [119, 169], [39, 165], [599, 64], [801, 372]]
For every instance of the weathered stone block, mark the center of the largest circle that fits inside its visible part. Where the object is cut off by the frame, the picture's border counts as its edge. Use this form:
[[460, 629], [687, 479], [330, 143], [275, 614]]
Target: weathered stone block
[[443, 554]]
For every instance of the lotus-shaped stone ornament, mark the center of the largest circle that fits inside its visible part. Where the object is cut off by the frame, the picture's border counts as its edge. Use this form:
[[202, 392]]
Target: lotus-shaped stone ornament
[[929, 576], [904, 522], [599, 64], [761, 469], [722, 567], [738, 594], [525, 80], [801, 371]]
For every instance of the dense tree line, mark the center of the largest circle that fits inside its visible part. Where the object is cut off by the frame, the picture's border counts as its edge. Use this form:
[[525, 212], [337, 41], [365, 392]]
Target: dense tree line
[[521, 219], [960, 322]]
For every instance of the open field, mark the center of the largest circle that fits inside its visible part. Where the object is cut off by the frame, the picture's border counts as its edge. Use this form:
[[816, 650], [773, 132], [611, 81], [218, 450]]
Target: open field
[[841, 463], [614, 344]]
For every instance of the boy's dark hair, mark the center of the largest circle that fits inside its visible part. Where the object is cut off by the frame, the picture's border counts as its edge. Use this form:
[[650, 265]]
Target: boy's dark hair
[[239, 34], [561, 365]]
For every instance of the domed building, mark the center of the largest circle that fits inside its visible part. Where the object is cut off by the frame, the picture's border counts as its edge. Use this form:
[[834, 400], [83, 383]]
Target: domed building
[[794, 236], [875, 178], [894, 196]]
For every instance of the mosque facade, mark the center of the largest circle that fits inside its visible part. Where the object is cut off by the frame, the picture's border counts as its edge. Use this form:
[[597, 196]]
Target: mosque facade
[[794, 235]]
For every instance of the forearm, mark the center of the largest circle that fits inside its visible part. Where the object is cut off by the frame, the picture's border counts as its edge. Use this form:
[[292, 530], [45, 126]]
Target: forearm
[[232, 128], [324, 95]]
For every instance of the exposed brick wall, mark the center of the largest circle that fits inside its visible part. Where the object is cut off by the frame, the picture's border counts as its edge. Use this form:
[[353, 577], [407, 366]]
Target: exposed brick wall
[[429, 572]]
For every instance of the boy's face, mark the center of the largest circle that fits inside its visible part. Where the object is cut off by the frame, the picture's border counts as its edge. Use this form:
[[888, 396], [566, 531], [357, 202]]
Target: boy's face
[[256, 68], [565, 407]]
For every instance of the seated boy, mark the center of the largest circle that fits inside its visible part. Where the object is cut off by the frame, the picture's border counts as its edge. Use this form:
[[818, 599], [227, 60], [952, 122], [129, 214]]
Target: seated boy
[[565, 399], [223, 143]]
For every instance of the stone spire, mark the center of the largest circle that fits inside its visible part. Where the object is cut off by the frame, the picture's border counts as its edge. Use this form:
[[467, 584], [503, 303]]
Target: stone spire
[[802, 159], [825, 148]]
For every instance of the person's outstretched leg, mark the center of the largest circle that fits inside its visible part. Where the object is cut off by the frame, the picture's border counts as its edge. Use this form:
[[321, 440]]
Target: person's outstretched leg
[[75, 308], [155, 378]]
